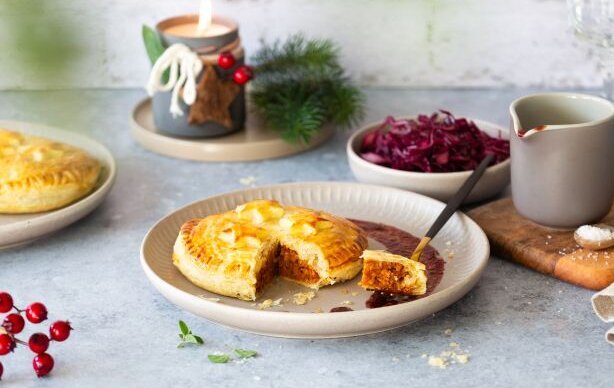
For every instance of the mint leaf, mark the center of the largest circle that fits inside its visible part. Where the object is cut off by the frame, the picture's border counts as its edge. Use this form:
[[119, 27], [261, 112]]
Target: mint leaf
[[219, 358], [193, 339], [245, 353], [184, 328], [186, 336]]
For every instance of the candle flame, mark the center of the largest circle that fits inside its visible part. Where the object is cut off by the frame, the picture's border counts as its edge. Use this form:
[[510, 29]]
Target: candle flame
[[205, 15]]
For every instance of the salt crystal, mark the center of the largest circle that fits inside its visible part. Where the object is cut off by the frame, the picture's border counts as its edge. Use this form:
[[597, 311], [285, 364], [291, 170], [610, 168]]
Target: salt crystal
[[594, 233]]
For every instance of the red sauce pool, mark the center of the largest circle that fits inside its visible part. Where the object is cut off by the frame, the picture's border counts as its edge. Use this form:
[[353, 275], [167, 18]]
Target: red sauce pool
[[340, 309], [399, 242]]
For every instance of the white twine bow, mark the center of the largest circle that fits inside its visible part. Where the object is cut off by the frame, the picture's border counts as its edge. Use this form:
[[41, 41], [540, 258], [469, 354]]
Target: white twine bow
[[184, 66]]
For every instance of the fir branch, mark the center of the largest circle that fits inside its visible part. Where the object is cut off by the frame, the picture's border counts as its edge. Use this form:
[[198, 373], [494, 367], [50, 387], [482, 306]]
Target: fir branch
[[300, 86], [295, 53], [297, 113]]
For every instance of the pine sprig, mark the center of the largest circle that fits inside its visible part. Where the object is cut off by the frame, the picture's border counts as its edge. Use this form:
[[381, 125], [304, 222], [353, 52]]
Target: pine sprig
[[295, 112], [300, 86], [296, 52]]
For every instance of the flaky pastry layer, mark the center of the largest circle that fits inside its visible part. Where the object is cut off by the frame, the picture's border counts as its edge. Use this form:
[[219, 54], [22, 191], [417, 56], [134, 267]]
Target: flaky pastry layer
[[232, 253], [38, 174]]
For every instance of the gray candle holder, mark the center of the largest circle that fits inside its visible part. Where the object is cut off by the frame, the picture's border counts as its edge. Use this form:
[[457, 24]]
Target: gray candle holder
[[208, 49]]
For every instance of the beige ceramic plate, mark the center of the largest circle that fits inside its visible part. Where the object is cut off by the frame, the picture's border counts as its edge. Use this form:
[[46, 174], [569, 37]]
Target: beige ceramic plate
[[255, 142], [23, 228], [406, 210]]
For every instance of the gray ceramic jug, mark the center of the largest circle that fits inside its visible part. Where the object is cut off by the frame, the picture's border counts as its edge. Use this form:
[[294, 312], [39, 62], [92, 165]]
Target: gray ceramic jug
[[562, 150]]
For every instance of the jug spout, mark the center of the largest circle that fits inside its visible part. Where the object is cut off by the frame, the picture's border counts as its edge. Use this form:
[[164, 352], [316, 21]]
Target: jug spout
[[536, 113]]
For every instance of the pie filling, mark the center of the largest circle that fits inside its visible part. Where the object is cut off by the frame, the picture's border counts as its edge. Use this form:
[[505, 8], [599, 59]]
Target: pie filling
[[267, 272], [383, 276], [291, 267], [286, 263]]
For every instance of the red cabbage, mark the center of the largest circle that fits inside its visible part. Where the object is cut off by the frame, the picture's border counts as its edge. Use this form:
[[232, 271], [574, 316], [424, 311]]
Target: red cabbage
[[436, 143]]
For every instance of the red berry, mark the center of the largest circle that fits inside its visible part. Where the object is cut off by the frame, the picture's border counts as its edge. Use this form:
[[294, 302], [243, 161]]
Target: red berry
[[243, 75], [7, 344], [60, 330], [6, 302], [13, 323], [1, 370], [42, 364], [38, 343], [226, 60], [36, 312]]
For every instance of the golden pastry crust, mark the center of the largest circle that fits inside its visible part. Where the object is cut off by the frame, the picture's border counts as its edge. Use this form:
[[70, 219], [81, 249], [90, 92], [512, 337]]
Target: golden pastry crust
[[391, 273], [37, 174], [237, 253]]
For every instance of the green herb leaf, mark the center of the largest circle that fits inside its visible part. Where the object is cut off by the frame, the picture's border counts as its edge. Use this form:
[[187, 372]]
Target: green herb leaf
[[153, 44], [219, 358], [154, 48], [199, 340], [245, 353], [186, 336], [184, 328]]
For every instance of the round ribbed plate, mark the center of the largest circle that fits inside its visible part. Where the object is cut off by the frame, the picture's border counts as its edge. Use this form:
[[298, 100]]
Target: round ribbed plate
[[406, 210], [19, 229]]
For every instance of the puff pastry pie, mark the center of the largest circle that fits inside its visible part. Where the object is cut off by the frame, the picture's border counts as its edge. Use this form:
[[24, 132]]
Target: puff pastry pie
[[384, 271], [38, 174], [239, 252]]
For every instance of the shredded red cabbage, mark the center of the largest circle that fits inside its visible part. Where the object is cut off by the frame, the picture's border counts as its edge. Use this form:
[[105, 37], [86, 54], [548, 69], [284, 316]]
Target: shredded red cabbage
[[436, 143]]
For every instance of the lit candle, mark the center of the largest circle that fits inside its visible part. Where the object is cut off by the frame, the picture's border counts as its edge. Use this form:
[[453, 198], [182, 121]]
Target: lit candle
[[205, 27]]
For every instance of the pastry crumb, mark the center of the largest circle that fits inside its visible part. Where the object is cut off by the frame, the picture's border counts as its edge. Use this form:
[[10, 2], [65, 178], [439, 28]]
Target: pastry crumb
[[318, 310], [453, 355], [355, 293], [462, 358], [301, 298], [438, 362], [347, 302], [268, 303], [447, 332], [248, 181], [205, 297]]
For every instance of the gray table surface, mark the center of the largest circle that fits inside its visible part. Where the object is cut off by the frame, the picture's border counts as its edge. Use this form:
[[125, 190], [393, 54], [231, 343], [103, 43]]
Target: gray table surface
[[522, 329]]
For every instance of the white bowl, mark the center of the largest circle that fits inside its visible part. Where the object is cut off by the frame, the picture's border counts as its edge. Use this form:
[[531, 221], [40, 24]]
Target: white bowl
[[441, 185]]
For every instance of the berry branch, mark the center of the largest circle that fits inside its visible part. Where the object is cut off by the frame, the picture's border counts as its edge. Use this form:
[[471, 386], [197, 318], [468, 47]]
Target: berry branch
[[14, 323]]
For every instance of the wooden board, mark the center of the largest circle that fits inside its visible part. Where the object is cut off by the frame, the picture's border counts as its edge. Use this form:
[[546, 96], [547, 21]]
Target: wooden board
[[551, 251]]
